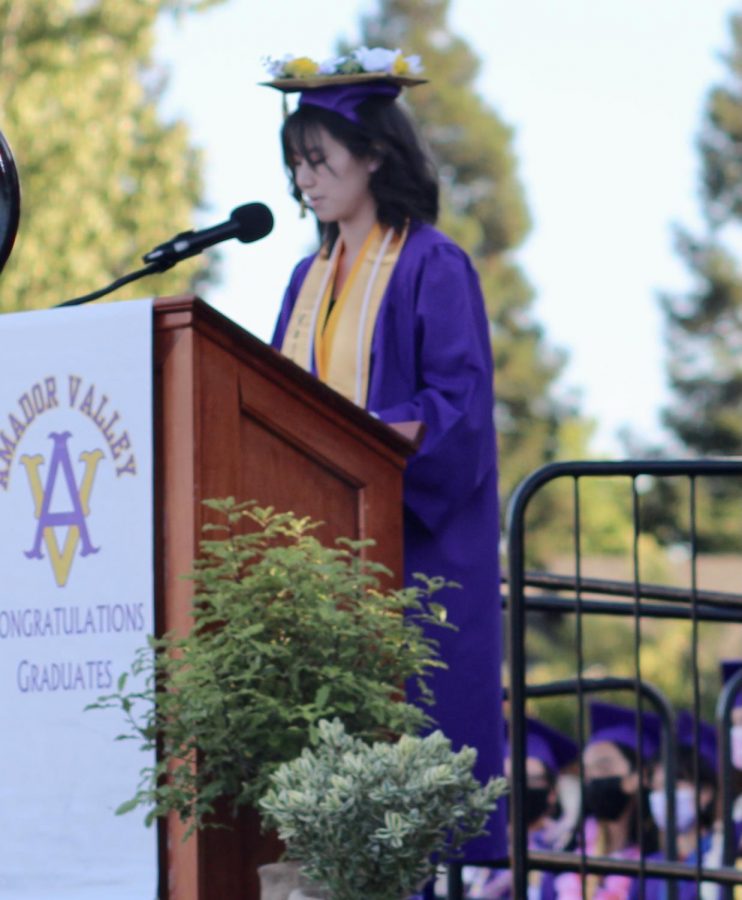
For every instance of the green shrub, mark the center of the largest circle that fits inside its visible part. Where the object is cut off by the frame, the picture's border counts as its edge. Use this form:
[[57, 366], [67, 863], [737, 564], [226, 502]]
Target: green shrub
[[368, 821], [286, 632]]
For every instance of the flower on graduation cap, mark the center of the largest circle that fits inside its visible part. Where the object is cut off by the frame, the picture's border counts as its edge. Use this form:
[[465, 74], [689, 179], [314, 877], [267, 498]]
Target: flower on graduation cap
[[347, 65], [300, 67], [379, 59], [364, 60], [376, 59], [289, 66], [330, 66], [406, 65]]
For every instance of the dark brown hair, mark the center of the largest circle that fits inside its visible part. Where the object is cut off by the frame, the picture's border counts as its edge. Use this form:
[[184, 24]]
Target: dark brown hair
[[405, 185]]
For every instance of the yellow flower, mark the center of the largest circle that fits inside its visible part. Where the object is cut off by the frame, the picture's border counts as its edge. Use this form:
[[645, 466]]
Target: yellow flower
[[301, 67], [400, 66]]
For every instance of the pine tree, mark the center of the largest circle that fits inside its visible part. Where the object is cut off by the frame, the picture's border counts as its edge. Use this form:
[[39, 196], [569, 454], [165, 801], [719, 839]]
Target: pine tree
[[102, 176], [485, 211], [704, 325]]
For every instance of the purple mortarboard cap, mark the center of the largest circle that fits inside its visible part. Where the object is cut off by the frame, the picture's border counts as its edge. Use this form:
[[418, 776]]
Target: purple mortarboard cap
[[730, 667], [554, 749], [345, 98], [686, 735], [618, 725]]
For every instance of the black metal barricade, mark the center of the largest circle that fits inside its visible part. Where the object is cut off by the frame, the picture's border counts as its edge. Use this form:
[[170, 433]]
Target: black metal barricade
[[579, 597]]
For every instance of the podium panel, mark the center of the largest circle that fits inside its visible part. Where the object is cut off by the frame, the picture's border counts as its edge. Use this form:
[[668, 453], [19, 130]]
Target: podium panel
[[234, 418], [76, 602]]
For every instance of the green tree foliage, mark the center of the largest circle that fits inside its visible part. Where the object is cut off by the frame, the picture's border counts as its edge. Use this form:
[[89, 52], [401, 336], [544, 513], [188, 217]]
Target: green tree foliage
[[484, 209], [704, 324], [608, 651], [102, 176]]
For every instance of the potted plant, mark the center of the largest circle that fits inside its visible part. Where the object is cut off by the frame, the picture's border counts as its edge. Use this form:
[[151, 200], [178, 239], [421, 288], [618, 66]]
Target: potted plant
[[370, 820], [285, 632]]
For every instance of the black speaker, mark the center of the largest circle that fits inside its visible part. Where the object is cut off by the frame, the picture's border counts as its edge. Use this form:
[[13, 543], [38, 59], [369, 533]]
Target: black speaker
[[10, 201]]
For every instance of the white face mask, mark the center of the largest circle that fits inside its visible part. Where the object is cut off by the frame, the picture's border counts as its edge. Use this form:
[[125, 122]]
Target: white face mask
[[736, 741], [685, 808]]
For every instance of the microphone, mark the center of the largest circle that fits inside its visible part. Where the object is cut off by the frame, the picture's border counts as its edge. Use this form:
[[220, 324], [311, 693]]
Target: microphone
[[247, 223]]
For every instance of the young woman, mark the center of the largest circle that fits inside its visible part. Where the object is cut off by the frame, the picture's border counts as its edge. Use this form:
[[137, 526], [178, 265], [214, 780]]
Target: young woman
[[548, 751], [692, 826], [618, 822], [389, 312]]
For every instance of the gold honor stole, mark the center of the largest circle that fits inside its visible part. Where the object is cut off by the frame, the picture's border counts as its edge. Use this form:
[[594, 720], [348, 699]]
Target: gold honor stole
[[340, 342]]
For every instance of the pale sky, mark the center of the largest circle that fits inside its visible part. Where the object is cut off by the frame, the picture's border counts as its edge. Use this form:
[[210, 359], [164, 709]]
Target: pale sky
[[605, 97]]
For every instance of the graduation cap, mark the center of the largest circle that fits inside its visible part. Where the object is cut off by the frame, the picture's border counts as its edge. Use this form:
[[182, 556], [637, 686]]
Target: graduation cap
[[618, 725], [342, 84], [730, 667], [686, 737], [554, 749]]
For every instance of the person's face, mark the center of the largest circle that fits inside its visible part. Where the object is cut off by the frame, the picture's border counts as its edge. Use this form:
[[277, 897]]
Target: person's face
[[657, 783], [681, 784], [541, 795], [536, 776], [685, 799], [334, 182], [604, 760]]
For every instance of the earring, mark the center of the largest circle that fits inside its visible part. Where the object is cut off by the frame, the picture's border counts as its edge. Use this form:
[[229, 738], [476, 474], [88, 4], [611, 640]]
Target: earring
[[302, 208]]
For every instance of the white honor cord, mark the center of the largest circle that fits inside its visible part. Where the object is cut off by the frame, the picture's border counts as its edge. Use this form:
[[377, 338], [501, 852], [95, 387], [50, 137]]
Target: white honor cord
[[320, 297], [364, 315]]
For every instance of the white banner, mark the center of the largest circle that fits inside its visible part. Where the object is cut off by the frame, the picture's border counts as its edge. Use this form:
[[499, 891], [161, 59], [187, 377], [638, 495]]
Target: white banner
[[76, 598]]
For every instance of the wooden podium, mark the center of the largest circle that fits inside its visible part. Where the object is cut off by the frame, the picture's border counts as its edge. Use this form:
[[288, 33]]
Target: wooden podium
[[234, 418]]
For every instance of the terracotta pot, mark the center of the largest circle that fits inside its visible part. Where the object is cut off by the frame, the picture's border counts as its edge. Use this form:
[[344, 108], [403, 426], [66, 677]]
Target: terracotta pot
[[278, 880]]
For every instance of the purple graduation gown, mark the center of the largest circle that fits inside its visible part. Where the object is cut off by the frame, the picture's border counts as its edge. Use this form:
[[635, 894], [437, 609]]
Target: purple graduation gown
[[431, 362]]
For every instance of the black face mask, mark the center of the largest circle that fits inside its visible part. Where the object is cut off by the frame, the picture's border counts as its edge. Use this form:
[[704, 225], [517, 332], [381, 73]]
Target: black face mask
[[537, 802], [605, 799], [707, 815]]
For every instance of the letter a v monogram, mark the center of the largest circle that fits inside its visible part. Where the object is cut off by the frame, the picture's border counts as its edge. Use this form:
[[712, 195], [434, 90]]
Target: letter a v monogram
[[74, 519]]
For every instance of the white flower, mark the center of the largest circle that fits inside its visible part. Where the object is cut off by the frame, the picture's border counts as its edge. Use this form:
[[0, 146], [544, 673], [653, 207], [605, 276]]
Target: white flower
[[331, 65], [275, 67], [364, 59], [376, 59], [414, 64]]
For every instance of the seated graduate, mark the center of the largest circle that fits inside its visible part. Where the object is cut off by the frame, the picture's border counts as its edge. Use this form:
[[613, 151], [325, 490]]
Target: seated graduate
[[693, 821], [732, 786], [691, 826], [548, 752], [729, 668], [617, 818]]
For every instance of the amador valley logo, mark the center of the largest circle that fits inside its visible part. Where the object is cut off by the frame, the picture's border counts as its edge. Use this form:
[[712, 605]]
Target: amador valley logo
[[61, 474]]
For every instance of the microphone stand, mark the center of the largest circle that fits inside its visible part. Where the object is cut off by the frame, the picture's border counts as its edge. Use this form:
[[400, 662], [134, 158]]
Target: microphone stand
[[246, 223], [162, 265]]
